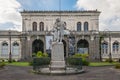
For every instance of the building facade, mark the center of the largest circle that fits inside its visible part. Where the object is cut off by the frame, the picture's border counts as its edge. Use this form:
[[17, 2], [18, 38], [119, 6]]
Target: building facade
[[84, 36]]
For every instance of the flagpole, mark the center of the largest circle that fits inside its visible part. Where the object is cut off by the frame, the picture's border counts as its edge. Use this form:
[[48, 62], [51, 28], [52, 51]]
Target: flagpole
[[60, 9]]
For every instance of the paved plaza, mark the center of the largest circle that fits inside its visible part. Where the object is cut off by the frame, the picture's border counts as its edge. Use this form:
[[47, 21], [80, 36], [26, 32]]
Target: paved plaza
[[92, 73]]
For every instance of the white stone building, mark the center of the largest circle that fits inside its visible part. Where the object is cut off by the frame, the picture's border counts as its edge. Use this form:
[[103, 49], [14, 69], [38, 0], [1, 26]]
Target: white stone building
[[83, 26]]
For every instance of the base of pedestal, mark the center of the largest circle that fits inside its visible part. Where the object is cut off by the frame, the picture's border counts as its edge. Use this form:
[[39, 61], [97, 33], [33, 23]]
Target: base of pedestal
[[57, 65]]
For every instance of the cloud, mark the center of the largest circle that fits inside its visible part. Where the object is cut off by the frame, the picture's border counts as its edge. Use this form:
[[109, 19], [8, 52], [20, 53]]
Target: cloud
[[9, 13], [110, 12]]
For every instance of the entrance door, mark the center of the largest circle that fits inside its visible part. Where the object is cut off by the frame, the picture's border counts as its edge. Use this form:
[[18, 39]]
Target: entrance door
[[83, 46], [37, 45]]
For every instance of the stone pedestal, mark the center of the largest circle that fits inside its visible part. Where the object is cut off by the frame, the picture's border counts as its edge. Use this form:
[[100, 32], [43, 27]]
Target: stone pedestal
[[57, 57]]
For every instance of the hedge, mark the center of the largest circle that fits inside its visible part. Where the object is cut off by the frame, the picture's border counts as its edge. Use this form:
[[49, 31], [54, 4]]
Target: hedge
[[41, 61]]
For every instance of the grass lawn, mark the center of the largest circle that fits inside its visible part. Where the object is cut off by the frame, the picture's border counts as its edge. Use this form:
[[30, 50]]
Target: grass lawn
[[18, 63], [102, 63], [91, 64]]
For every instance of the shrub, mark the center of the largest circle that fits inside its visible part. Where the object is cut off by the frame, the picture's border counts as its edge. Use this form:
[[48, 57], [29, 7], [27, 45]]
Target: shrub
[[13, 60], [31, 63], [85, 62], [41, 61], [84, 58], [108, 60], [117, 66], [2, 64], [2, 60], [40, 54], [74, 61]]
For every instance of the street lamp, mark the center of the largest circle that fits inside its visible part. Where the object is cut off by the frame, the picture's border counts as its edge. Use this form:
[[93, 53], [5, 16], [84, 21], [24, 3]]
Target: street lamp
[[110, 56], [10, 55]]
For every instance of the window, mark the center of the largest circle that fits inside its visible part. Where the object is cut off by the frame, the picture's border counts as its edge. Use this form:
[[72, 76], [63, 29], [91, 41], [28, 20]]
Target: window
[[41, 26], [34, 26], [15, 49], [79, 26], [115, 47], [85, 26], [104, 48], [4, 51], [65, 25]]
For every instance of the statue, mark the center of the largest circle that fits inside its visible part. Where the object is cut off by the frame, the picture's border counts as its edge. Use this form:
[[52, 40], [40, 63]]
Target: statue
[[58, 30]]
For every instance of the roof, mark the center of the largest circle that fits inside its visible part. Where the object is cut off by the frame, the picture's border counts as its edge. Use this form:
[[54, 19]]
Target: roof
[[66, 11]]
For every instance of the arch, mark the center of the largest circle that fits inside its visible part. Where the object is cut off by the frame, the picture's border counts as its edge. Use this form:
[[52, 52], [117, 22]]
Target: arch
[[104, 48], [115, 46], [82, 46], [15, 48], [34, 26], [64, 43], [78, 26], [37, 45], [86, 26], [41, 26], [15, 44], [4, 49]]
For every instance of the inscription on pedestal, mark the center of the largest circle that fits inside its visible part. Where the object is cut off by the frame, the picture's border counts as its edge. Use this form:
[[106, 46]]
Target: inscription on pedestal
[[57, 56]]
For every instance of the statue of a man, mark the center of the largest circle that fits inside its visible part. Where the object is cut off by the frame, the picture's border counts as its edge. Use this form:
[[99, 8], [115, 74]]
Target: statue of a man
[[58, 30]]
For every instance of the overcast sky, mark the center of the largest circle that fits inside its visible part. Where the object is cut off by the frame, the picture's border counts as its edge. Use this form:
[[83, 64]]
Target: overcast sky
[[10, 17]]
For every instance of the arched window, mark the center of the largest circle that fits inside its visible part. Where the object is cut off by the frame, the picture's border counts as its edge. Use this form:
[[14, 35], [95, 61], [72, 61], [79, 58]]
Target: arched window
[[4, 51], [79, 26], [41, 26], [34, 26], [15, 49], [104, 48], [115, 47], [86, 26]]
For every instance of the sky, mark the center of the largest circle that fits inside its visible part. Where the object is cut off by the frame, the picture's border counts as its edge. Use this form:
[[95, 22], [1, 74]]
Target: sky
[[10, 17]]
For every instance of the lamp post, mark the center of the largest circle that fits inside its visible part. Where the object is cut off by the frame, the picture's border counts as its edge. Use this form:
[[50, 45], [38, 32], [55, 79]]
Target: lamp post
[[100, 39], [110, 56], [10, 55]]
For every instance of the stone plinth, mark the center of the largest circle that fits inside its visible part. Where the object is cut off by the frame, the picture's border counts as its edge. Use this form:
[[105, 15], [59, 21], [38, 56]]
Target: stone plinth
[[57, 57]]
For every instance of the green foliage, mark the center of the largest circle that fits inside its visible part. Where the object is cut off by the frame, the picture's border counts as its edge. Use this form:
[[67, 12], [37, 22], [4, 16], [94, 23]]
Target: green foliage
[[102, 63], [108, 60], [33, 54], [85, 62], [2, 60], [31, 63], [40, 54], [117, 66], [18, 64], [41, 61], [45, 55], [2, 64], [82, 56], [74, 61]]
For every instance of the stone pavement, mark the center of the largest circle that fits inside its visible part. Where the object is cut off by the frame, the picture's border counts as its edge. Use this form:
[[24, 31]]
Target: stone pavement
[[92, 73]]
